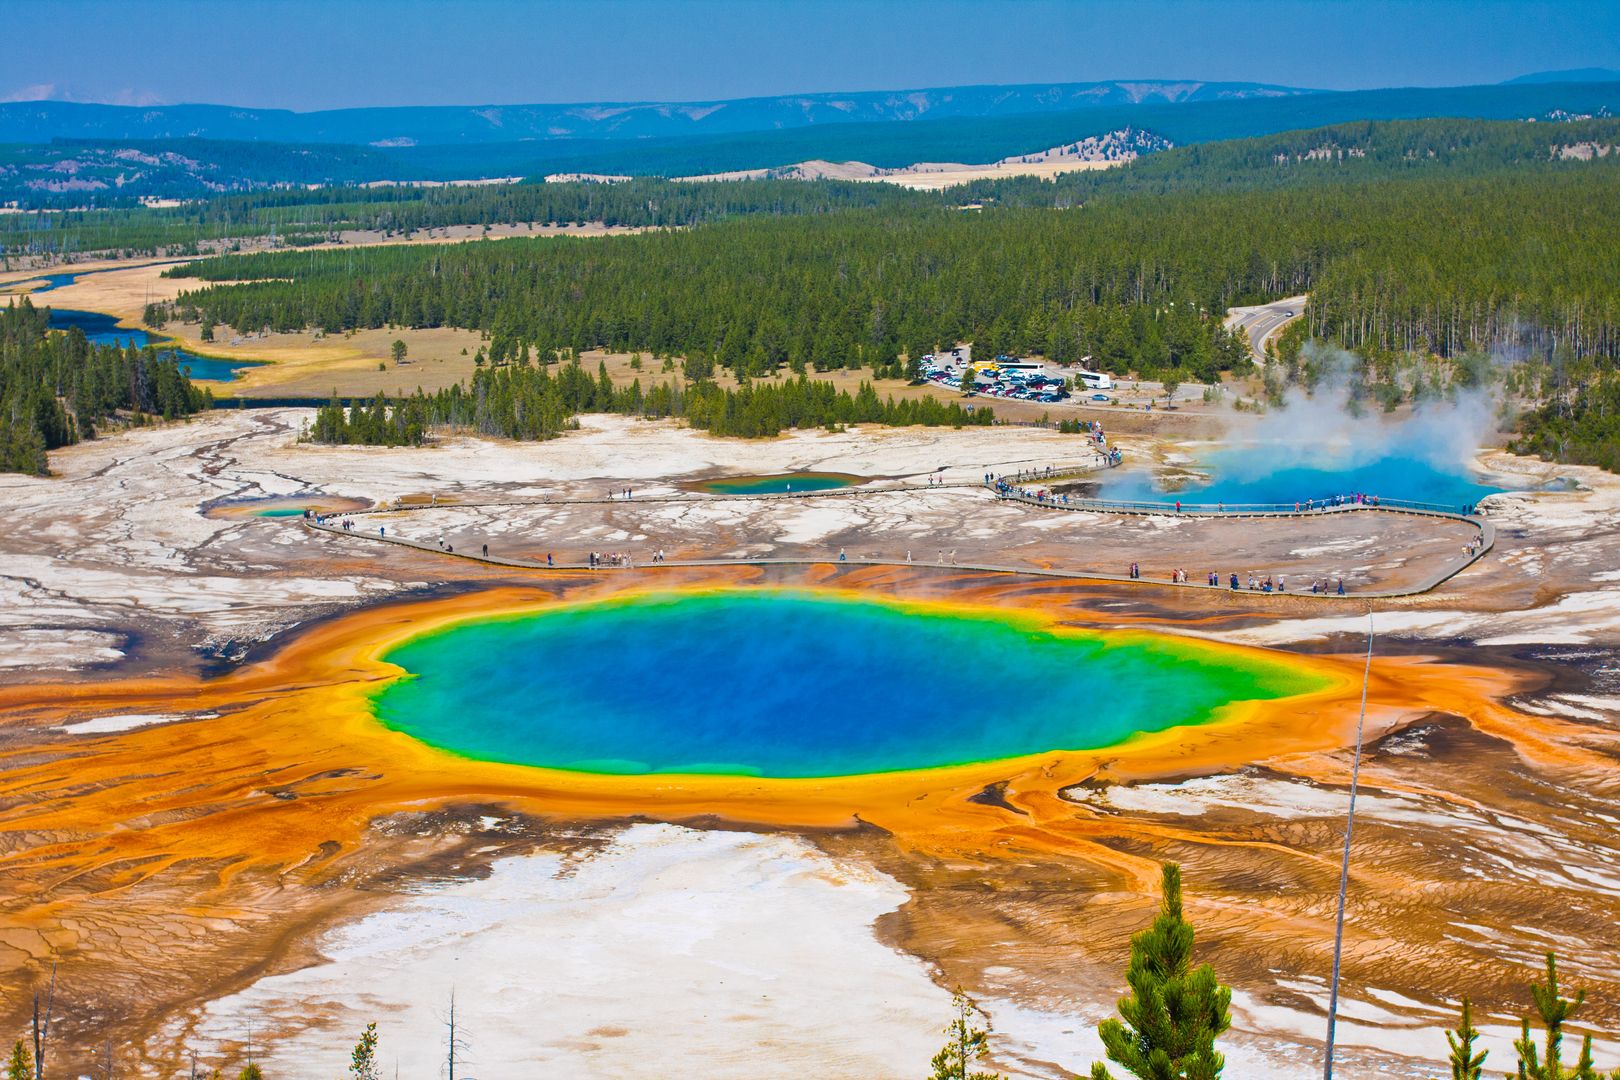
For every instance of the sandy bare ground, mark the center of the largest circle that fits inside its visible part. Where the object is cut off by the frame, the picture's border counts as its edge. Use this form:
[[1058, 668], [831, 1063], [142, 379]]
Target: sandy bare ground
[[1477, 853], [1098, 152], [923, 176]]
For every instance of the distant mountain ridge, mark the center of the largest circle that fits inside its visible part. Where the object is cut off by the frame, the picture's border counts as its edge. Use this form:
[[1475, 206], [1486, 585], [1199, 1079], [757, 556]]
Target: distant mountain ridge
[[43, 121], [74, 173], [1569, 75]]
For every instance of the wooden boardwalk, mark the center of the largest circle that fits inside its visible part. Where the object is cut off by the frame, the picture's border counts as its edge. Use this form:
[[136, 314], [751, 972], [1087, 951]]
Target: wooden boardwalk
[[1486, 531]]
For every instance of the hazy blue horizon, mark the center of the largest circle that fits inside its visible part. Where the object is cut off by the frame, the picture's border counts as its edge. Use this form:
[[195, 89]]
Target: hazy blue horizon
[[305, 55]]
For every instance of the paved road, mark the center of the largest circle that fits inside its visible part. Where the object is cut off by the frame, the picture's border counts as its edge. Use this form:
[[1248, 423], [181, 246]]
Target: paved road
[[1263, 321]]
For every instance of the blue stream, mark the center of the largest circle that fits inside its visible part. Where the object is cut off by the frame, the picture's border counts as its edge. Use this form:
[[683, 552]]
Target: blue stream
[[103, 329]]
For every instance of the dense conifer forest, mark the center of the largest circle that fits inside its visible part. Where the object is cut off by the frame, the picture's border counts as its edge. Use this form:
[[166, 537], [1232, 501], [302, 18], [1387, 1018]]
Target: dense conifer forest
[[524, 402], [1507, 261], [56, 388]]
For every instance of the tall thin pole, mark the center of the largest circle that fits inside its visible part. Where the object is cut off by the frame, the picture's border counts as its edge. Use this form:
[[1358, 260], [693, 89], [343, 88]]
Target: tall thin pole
[[1344, 867]]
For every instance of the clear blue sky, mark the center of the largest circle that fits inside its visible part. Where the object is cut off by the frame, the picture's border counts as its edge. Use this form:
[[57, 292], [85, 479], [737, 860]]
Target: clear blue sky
[[319, 54]]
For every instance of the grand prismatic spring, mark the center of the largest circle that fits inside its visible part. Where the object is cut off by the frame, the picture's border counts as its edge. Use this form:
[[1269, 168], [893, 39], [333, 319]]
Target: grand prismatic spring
[[795, 684]]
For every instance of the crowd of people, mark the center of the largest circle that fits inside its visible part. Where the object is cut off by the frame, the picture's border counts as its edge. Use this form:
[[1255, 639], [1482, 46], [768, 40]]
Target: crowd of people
[[1256, 583]]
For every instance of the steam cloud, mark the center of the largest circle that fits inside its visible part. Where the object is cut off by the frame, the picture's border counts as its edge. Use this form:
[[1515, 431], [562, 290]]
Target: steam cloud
[[1334, 429]]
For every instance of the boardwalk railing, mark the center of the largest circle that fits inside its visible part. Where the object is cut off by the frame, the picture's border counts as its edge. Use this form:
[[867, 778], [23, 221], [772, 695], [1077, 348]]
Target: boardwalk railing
[[1486, 540], [1216, 509]]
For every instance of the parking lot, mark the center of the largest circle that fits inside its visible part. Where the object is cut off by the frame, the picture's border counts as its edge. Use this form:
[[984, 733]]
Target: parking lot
[[1017, 380]]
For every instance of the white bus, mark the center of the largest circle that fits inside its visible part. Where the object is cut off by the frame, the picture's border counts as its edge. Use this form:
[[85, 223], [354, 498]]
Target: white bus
[[1094, 380]]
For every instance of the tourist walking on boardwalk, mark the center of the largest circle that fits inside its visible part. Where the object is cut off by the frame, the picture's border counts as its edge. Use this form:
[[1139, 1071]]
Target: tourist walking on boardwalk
[[840, 554]]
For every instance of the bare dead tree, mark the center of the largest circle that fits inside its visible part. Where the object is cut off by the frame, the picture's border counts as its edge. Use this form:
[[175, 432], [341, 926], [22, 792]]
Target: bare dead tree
[[456, 1046], [42, 1029]]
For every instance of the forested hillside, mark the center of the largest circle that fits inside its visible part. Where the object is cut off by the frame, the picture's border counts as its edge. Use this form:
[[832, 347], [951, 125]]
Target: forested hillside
[[57, 388], [1523, 260], [1348, 153], [1360, 153]]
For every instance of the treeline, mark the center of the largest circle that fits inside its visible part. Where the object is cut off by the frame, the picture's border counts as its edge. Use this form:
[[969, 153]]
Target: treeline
[[56, 388], [523, 402], [300, 217]]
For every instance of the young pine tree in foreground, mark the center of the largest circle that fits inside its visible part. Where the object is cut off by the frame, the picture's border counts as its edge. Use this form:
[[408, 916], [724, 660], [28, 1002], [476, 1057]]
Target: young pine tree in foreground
[[1174, 1012], [1465, 1064], [1554, 1010], [20, 1063], [363, 1062], [966, 1043]]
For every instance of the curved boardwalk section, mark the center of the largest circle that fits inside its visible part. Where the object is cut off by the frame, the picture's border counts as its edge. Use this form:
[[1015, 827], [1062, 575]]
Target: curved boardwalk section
[[1003, 489]]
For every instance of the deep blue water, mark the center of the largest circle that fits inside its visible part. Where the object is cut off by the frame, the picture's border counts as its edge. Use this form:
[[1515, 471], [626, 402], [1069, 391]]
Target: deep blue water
[[56, 281], [103, 329], [794, 684]]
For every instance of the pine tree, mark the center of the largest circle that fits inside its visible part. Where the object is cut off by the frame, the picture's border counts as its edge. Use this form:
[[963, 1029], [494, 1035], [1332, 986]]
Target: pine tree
[[1174, 1012], [965, 1044], [1465, 1064], [363, 1062], [1554, 1011], [250, 1071], [20, 1065]]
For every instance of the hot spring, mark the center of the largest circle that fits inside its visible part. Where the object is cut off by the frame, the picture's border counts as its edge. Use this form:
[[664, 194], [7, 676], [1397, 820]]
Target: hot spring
[[1268, 475], [777, 483], [801, 684], [1314, 449]]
